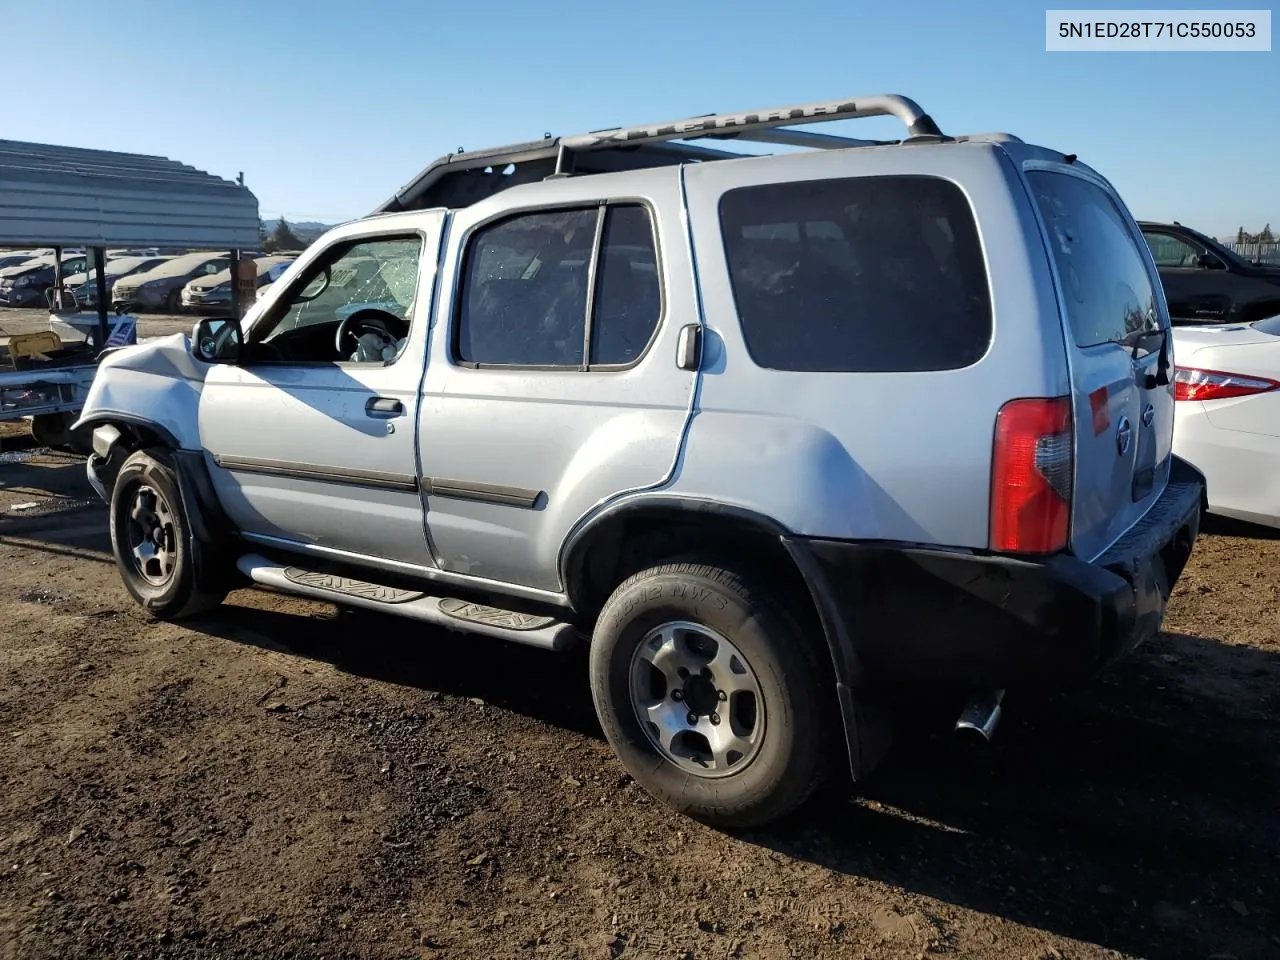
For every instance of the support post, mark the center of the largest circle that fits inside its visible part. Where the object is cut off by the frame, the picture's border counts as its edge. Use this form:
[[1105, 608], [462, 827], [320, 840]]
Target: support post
[[100, 279], [55, 302], [236, 306]]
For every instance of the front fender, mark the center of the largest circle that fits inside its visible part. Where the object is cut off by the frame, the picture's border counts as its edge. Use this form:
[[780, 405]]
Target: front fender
[[156, 385]]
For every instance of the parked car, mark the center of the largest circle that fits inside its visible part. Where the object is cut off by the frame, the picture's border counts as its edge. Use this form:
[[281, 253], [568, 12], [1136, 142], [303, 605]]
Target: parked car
[[29, 284], [1228, 415], [750, 429], [1206, 282], [213, 293], [160, 288], [135, 252], [13, 258], [83, 287]]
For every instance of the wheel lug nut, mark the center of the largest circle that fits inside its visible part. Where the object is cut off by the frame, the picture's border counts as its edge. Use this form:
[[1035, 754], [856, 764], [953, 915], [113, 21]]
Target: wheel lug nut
[[693, 719], [721, 696], [715, 719], [677, 695]]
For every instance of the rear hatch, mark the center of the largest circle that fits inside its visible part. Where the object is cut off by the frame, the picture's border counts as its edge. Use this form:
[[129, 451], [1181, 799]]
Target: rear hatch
[[1116, 327]]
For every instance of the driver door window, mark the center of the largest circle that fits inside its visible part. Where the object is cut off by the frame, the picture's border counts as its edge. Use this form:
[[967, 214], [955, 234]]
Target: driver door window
[[353, 305]]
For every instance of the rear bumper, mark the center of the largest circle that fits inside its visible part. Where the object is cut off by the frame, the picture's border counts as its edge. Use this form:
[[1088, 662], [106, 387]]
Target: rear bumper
[[908, 617]]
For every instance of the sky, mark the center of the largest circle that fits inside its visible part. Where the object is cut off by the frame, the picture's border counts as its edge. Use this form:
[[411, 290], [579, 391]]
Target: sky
[[328, 107]]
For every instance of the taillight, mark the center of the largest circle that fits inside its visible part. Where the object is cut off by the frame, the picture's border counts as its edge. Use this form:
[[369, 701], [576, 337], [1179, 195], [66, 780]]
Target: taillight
[[1031, 477], [1191, 384]]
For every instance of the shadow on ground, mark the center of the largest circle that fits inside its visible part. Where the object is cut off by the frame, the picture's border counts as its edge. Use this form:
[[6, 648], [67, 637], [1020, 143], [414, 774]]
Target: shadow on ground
[[1139, 814]]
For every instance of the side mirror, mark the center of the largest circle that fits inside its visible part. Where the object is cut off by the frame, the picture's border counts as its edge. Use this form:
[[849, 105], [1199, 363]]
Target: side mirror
[[1207, 261], [217, 340]]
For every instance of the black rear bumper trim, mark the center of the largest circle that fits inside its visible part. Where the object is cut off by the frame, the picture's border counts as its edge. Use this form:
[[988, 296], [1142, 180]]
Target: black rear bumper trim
[[904, 616]]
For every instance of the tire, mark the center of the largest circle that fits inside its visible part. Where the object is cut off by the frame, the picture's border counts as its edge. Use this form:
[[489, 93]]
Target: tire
[[173, 302], [169, 583], [791, 754], [48, 430], [54, 430]]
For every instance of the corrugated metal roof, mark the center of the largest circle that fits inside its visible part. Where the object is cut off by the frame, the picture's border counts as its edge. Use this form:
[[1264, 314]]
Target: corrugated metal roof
[[71, 196]]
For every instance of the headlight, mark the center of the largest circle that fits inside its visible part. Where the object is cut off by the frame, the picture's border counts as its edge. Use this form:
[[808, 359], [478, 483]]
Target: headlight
[[22, 282]]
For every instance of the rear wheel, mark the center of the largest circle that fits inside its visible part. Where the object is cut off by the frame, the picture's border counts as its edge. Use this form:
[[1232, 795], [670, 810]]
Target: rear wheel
[[711, 695], [158, 558]]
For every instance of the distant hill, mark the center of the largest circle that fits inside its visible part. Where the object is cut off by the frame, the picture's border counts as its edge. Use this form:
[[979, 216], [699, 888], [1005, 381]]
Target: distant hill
[[305, 230]]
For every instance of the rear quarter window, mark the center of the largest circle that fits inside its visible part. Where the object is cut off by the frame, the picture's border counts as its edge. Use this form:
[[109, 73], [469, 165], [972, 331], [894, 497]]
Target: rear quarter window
[[862, 274], [1107, 292]]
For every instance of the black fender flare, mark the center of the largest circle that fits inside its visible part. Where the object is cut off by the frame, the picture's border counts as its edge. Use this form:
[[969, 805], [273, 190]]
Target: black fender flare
[[208, 521], [867, 727]]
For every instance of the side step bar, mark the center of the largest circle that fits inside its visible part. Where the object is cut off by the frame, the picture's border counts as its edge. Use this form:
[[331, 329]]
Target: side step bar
[[448, 612]]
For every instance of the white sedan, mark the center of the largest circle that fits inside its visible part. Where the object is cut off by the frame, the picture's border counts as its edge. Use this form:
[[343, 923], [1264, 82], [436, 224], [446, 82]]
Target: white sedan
[[1227, 419]]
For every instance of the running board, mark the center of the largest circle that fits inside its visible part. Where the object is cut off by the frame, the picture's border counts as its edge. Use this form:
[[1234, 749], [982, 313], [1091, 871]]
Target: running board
[[448, 612]]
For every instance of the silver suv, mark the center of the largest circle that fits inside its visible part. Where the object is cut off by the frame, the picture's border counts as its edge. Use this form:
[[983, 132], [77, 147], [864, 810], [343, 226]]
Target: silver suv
[[784, 438]]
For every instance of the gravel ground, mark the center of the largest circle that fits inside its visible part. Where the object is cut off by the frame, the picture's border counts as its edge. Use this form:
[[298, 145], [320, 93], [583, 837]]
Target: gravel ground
[[283, 780]]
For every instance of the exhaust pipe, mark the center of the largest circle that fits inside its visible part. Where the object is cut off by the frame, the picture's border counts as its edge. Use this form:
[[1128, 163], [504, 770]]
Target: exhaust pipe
[[982, 715]]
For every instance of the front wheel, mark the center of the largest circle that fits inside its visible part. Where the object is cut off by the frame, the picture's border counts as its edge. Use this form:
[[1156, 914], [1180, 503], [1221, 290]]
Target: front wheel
[[158, 558], [711, 695]]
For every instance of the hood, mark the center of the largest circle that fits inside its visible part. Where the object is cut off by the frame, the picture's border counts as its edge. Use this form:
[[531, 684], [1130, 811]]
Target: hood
[[1191, 338], [12, 273], [163, 356], [173, 269], [119, 267], [263, 264]]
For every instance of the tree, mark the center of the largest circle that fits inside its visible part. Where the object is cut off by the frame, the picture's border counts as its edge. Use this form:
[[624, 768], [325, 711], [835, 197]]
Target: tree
[[1241, 236], [1266, 236], [283, 238]]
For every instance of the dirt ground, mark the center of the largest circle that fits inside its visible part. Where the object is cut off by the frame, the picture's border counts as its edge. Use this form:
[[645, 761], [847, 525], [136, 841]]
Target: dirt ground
[[281, 780]]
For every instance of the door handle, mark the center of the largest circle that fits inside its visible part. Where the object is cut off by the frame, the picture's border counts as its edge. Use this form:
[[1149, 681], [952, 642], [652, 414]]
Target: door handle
[[383, 407]]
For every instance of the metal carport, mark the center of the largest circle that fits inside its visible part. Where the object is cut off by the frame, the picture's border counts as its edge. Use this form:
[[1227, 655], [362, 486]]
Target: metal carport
[[53, 196]]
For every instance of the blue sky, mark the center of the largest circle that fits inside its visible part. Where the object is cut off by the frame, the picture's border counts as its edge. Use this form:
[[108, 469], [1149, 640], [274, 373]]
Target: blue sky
[[328, 107]]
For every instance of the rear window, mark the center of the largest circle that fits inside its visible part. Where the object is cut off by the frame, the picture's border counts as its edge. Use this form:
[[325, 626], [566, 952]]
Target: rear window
[[1107, 291], [1270, 325], [866, 274]]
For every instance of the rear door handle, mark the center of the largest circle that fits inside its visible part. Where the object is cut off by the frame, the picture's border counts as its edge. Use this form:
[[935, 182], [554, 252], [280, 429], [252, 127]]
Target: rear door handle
[[384, 407]]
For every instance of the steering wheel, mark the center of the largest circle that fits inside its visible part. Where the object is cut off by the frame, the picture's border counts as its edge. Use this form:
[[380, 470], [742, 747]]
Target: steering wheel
[[383, 324]]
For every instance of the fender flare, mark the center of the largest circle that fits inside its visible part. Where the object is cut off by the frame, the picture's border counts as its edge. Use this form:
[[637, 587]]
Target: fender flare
[[100, 418], [867, 726], [208, 522]]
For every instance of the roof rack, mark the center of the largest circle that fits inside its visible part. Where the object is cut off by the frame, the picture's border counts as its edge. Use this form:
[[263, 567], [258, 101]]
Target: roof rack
[[462, 178], [763, 125]]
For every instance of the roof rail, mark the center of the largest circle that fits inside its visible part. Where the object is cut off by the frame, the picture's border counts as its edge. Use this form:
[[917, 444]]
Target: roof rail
[[761, 124], [460, 179]]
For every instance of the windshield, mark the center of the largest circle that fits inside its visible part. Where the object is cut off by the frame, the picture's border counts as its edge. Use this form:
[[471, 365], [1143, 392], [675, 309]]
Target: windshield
[[1226, 253], [1270, 325]]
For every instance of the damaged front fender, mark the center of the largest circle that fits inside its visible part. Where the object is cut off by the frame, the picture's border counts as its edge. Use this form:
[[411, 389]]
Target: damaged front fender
[[153, 387]]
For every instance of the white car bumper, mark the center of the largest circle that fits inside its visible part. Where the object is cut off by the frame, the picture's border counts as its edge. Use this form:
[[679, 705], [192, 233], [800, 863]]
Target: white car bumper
[[1241, 469]]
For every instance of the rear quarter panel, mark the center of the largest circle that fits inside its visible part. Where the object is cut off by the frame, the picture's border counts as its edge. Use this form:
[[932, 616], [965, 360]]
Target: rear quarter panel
[[891, 456]]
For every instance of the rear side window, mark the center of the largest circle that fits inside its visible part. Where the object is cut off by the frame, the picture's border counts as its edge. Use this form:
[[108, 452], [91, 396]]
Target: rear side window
[[1107, 292], [527, 294], [864, 274]]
